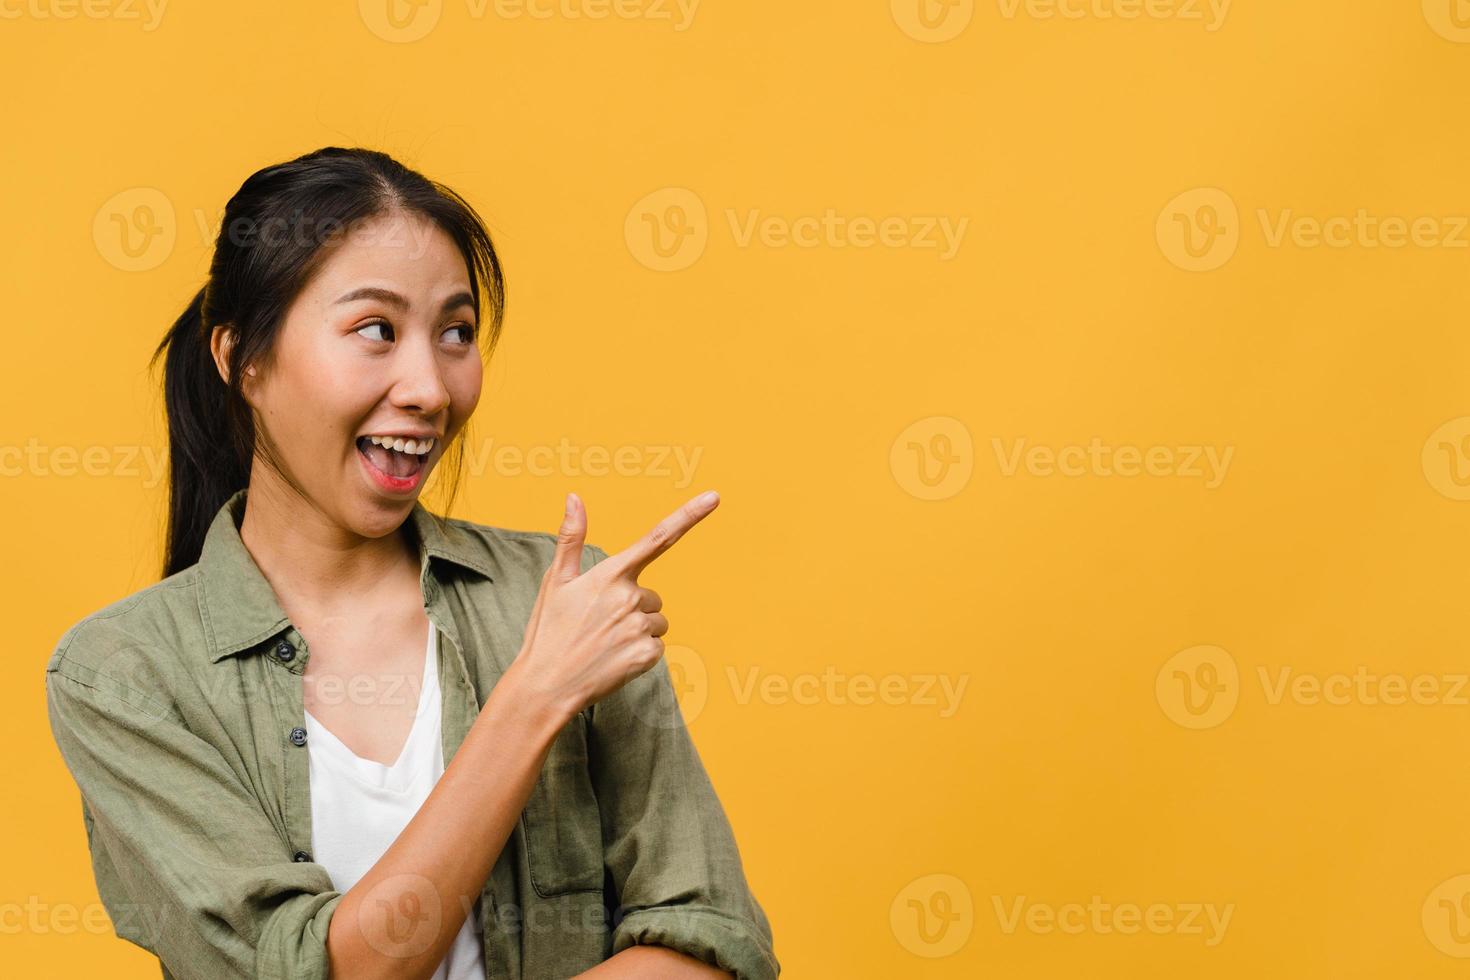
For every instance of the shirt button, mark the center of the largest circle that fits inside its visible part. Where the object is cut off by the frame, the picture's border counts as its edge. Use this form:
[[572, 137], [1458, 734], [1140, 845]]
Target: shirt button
[[298, 736], [285, 652], [301, 856]]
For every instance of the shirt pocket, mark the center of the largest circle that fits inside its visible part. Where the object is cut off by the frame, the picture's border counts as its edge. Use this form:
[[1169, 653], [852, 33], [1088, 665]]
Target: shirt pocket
[[561, 820]]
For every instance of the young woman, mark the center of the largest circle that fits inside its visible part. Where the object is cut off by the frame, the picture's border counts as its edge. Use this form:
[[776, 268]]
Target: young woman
[[345, 736]]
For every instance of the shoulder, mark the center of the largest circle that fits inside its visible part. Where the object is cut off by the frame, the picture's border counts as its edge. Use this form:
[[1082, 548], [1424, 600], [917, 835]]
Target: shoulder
[[129, 646]]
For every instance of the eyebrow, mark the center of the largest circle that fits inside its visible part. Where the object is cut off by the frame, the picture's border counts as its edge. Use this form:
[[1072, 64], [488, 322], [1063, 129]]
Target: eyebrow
[[394, 299]]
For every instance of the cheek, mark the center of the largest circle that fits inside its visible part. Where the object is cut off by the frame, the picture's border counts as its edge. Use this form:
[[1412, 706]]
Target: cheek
[[315, 404], [464, 388]]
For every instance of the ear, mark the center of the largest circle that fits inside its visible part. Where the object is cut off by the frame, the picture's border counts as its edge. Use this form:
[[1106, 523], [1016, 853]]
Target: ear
[[221, 341]]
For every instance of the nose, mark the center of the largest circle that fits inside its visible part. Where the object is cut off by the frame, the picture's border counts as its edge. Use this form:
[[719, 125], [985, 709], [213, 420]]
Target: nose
[[419, 383]]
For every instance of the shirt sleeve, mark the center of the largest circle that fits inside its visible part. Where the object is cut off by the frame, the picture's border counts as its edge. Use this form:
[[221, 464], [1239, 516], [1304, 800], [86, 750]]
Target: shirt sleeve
[[188, 865], [667, 842]]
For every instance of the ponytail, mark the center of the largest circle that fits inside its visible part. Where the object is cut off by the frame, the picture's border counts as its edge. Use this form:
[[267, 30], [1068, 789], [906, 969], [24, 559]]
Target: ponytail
[[206, 463]]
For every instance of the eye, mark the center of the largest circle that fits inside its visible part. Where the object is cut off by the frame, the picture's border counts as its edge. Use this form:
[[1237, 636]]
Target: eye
[[378, 324], [468, 331]]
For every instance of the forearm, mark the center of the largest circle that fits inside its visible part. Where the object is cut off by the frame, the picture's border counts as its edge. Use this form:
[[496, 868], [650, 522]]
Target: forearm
[[446, 852], [653, 963]]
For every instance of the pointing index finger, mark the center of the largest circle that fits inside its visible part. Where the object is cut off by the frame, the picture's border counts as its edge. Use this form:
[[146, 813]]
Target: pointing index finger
[[632, 560]]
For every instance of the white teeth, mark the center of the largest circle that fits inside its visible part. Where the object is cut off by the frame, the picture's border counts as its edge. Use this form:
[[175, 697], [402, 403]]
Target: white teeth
[[416, 447]]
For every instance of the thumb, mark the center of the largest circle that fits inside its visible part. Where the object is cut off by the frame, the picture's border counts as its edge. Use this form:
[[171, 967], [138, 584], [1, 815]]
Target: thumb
[[568, 541], [566, 564]]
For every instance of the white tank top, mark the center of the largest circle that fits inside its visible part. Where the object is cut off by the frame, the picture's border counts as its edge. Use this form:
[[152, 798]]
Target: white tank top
[[359, 807]]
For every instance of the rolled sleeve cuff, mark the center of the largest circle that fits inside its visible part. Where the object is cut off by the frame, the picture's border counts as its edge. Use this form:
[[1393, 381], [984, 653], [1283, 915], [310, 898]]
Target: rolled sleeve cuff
[[294, 946], [705, 934]]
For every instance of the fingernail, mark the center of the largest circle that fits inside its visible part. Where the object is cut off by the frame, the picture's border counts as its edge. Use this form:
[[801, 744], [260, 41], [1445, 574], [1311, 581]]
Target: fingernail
[[708, 499], [570, 498]]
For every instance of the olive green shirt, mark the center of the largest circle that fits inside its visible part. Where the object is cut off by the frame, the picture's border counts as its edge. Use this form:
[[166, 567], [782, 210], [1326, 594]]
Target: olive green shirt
[[179, 712]]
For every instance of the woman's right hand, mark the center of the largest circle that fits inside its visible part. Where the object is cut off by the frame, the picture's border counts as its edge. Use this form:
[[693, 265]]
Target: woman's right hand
[[589, 634]]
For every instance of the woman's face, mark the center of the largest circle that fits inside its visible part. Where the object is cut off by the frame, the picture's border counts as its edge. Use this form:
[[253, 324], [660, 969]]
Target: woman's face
[[382, 342]]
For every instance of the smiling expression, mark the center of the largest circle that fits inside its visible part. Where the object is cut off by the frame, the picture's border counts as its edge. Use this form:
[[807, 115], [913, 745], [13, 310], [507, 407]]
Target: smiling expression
[[375, 370]]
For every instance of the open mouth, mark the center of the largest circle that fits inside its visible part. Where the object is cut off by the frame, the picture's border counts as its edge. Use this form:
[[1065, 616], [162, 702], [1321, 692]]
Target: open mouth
[[396, 464]]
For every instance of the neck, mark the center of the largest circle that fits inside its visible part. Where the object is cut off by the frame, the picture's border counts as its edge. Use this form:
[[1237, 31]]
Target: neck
[[314, 563]]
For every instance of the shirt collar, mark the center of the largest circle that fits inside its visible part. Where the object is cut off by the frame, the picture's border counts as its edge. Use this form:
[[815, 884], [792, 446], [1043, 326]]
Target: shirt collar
[[240, 608]]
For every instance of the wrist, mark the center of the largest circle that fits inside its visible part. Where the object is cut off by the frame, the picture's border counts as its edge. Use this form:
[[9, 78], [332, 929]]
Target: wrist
[[516, 694]]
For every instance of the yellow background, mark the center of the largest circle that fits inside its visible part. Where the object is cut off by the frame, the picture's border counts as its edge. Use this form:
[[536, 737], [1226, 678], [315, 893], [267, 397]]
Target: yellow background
[[826, 388]]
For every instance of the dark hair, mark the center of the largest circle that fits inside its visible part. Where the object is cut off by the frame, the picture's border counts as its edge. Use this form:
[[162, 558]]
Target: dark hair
[[277, 230]]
